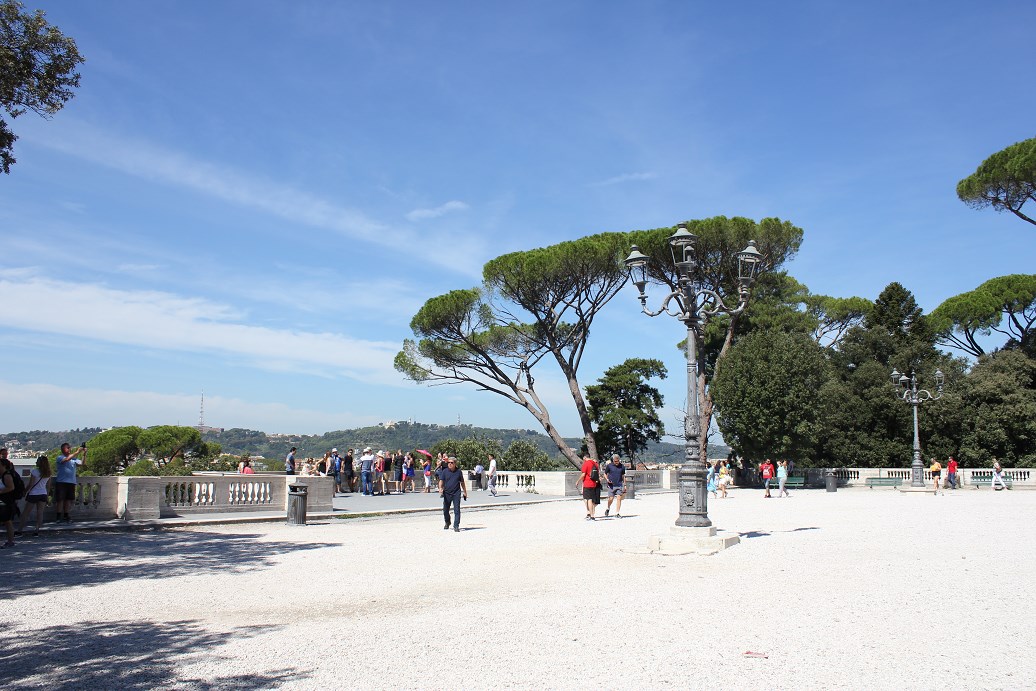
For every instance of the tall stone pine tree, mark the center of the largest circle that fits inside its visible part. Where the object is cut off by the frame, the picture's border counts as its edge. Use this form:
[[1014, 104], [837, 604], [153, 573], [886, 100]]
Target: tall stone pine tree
[[624, 407], [866, 424]]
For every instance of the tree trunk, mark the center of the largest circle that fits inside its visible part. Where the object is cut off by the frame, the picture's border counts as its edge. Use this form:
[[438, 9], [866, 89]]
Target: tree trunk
[[552, 432], [705, 412]]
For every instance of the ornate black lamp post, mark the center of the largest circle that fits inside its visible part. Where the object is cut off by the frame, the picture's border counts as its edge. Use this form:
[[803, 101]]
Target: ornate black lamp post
[[906, 388], [693, 306]]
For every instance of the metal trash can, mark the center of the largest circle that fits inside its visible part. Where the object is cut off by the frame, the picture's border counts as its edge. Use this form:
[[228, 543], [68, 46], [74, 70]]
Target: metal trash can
[[630, 485], [297, 498], [831, 480]]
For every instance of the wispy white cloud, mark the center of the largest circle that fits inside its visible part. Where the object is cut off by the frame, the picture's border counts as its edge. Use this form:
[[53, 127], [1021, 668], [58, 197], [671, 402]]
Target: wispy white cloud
[[164, 321], [147, 161], [625, 177], [421, 214], [33, 406]]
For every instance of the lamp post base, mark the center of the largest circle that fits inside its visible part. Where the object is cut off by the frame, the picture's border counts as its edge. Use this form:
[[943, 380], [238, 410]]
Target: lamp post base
[[703, 541]]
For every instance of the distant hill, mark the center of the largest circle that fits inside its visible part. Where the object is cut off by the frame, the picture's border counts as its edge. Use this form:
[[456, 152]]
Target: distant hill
[[41, 441], [401, 435], [409, 435]]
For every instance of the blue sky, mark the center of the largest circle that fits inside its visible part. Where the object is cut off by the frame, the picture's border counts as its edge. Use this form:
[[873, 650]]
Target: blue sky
[[252, 198]]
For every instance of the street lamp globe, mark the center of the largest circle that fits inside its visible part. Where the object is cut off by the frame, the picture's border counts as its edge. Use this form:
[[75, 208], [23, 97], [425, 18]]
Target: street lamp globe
[[636, 264], [748, 261], [681, 243]]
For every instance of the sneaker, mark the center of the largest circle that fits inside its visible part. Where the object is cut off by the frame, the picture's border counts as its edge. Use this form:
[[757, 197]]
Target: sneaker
[[618, 516], [456, 529], [446, 527], [7, 544], [588, 517], [606, 512], [17, 533]]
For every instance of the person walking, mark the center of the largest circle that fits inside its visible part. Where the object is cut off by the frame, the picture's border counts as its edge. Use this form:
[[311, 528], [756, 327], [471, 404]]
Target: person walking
[[590, 479], [998, 476], [8, 497], [951, 472], [782, 479], [936, 470], [766, 471], [615, 474], [65, 489], [451, 488], [478, 476], [712, 479], [289, 462], [492, 474], [367, 472], [36, 495], [724, 479], [426, 466]]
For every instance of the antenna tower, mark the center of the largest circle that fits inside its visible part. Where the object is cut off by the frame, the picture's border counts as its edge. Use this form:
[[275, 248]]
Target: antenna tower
[[201, 412]]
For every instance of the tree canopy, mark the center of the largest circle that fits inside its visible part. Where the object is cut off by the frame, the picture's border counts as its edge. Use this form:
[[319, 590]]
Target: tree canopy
[[767, 396], [532, 305], [1006, 305], [37, 70], [624, 407], [1005, 181]]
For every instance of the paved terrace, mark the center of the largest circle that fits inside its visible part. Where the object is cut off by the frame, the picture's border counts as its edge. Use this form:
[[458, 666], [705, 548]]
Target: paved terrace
[[855, 589]]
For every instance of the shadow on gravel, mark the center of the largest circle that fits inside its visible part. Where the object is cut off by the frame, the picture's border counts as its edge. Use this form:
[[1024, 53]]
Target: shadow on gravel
[[45, 565], [767, 533], [126, 655]]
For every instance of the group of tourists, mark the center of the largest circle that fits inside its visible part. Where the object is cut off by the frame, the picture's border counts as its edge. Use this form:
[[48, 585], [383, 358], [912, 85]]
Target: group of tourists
[[376, 473], [718, 478], [769, 473], [592, 478], [41, 485]]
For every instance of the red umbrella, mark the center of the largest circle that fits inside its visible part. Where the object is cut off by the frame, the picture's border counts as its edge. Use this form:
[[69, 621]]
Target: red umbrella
[[424, 452]]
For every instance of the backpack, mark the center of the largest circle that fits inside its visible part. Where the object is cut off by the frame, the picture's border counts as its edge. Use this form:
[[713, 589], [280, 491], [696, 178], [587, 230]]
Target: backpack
[[595, 473], [18, 492]]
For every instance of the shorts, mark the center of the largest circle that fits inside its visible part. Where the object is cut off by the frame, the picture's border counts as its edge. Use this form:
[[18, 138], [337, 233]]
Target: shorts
[[617, 491], [8, 512], [766, 483], [378, 477], [589, 493], [64, 491], [36, 499], [936, 474]]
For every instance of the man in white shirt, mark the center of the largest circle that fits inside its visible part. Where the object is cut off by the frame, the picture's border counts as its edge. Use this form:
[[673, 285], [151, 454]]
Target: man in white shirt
[[492, 474]]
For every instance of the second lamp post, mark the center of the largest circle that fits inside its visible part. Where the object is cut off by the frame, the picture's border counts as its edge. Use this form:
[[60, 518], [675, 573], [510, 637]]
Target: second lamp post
[[693, 306], [908, 391]]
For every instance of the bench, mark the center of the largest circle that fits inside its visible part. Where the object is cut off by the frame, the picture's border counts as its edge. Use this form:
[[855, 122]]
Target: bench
[[793, 482], [873, 482]]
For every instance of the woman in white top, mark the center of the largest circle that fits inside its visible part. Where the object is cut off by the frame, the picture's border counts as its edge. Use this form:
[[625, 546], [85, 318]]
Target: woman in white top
[[36, 491]]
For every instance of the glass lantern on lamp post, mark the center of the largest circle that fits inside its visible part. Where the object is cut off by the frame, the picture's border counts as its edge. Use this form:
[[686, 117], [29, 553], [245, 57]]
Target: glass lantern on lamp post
[[693, 306]]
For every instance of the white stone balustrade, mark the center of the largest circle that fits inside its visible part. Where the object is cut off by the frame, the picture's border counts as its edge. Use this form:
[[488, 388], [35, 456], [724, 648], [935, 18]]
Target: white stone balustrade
[[140, 498]]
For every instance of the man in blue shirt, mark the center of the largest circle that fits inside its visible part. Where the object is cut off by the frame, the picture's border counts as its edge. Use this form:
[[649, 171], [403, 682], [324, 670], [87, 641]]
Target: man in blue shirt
[[451, 488], [65, 481], [289, 462], [616, 474]]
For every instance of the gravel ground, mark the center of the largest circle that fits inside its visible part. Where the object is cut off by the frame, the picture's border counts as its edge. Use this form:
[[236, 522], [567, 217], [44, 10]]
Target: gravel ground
[[858, 589]]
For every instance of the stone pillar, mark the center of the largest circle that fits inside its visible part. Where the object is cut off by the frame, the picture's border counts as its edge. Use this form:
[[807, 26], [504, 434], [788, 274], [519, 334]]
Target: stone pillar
[[139, 498]]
